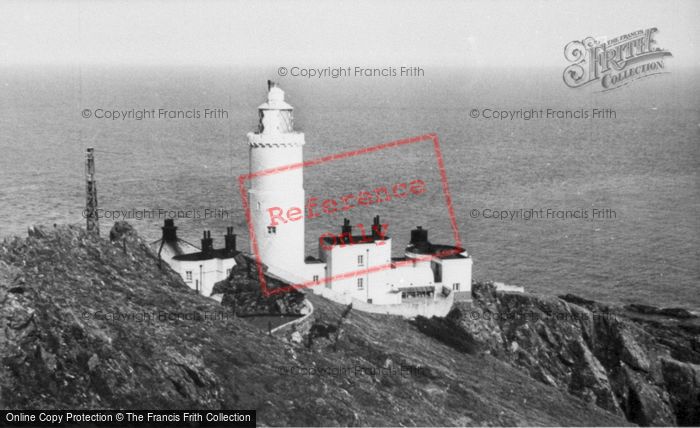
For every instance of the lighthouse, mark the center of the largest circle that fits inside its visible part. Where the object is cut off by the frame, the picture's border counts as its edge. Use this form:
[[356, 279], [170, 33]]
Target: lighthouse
[[355, 269], [275, 144]]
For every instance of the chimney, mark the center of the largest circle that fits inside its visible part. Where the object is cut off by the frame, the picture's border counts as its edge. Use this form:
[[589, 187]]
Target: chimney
[[419, 236], [230, 240], [169, 230], [345, 231], [376, 228], [207, 243]]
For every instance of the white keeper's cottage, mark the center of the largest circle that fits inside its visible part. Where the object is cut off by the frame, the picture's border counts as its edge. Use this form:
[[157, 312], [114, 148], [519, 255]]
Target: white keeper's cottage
[[199, 268]]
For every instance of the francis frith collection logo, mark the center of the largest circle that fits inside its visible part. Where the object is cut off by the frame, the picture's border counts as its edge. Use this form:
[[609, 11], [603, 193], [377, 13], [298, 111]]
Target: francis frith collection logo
[[615, 62]]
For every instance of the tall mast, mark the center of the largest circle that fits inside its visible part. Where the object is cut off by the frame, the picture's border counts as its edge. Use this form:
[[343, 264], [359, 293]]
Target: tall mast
[[93, 226]]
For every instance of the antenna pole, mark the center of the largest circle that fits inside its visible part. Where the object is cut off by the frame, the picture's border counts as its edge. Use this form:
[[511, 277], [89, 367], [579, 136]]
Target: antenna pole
[[93, 226]]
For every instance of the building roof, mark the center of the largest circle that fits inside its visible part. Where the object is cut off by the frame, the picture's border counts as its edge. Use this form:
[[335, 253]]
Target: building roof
[[177, 247], [221, 253], [438, 250], [354, 240]]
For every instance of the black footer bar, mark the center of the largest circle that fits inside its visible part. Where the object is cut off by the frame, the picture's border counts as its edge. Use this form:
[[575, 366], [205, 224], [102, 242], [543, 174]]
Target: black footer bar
[[128, 418]]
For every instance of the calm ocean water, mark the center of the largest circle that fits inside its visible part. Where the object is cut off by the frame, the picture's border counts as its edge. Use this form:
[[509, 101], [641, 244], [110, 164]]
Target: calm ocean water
[[643, 164]]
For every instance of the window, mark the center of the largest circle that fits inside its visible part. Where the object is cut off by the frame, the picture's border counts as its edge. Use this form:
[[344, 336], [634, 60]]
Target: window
[[188, 275], [315, 278], [455, 286], [360, 284], [360, 260], [272, 229]]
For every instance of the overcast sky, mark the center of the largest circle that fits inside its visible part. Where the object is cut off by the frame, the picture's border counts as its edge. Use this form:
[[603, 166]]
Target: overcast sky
[[327, 33]]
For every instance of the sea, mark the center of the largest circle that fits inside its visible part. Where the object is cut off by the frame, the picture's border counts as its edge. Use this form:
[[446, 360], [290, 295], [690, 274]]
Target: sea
[[519, 194]]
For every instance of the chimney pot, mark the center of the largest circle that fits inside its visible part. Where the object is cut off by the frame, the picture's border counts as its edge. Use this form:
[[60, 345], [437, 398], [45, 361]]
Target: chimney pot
[[419, 236], [376, 228], [169, 230], [230, 240], [346, 231], [207, 243]]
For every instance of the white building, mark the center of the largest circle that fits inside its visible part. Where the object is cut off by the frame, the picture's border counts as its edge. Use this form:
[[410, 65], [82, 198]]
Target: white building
[[200, 269], [426, 271], [351, 268]]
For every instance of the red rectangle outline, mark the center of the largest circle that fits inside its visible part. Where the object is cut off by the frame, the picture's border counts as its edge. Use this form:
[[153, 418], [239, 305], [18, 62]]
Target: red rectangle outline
[[242, 179]]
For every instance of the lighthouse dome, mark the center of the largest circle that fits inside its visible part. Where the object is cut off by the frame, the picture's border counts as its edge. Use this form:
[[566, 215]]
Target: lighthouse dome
[[276, 94], [275, 99]]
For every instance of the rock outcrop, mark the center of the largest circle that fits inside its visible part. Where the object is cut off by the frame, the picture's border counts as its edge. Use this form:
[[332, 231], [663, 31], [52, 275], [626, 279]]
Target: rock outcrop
[[242, 293], [638, 363]]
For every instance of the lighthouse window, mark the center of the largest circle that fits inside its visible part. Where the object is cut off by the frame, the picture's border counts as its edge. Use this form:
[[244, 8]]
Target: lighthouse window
[[360, 284], [271, 229], [315, 278], [360, 260], [455, 286], [188, 275]]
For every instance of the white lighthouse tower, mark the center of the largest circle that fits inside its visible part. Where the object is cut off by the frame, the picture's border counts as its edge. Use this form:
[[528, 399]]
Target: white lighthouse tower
[[275, 145]]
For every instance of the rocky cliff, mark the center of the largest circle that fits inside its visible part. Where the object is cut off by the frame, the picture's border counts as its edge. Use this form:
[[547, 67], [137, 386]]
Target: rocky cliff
[[639, 362], [98, 323], [241, 293]]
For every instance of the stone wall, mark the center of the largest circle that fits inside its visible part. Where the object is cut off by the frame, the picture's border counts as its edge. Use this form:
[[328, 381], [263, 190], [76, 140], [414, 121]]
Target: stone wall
[[300, 325]]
